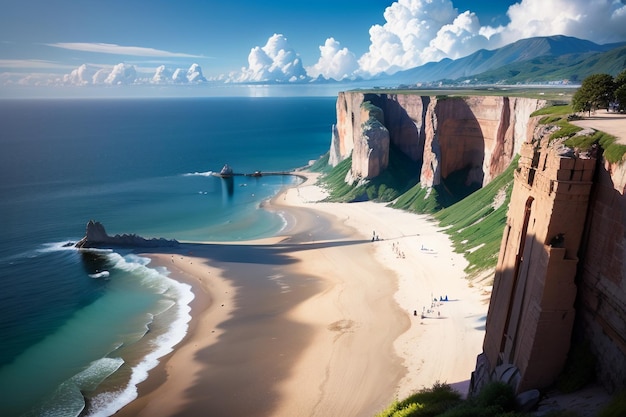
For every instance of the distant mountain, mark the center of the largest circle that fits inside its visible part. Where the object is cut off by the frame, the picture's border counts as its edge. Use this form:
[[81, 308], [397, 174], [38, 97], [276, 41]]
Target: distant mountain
[[482, 61], [571, 67]]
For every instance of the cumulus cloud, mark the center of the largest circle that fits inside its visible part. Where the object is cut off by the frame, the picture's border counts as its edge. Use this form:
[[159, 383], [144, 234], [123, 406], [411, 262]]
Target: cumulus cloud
[[121, 74], [334, 62], [82, 75], [161, 76], [600, 21], [274, 62], [409, 28], [194, 74], [416, 32]]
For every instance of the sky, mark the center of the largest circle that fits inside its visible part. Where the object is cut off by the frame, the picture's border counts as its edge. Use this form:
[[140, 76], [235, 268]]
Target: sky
[[120, 42]]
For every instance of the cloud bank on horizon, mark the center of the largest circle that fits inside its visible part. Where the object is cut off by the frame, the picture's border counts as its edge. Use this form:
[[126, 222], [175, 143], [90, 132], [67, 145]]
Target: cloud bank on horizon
[[415, 32]]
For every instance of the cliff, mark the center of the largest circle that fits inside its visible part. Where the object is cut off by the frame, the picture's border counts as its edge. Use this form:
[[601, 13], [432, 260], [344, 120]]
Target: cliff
[[561, 274], [97, 237], [444, 135], [560, 280]]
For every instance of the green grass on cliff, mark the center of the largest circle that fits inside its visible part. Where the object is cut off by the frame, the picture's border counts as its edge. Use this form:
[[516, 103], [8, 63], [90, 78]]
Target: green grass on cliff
[[475, 225], [557, 115], [433, 199], [321, 165], [399, 175]]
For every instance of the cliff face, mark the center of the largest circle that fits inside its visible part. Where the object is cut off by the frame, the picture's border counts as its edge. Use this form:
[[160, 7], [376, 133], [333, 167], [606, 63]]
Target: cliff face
[[601, 284], [561, 273], [444, 135]]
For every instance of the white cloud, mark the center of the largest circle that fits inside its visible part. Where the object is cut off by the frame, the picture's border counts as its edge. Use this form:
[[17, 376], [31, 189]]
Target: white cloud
[[161, 76], [276, 61], [194, 74], [121, 74], [334, 62], [418, 31], [455, 39], [82, 75], [600, 21], [410, 26], [110, 48]]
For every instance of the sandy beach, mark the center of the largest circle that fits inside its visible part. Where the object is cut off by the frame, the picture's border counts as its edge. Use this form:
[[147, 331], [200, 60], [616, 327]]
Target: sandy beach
[[338, 315]]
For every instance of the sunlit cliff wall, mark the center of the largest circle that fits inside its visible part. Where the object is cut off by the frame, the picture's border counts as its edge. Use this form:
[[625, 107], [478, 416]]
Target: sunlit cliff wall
[[444, 135]]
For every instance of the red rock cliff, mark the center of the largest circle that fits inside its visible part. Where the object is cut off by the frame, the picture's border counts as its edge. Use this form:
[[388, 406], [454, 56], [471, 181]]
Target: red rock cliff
[[482, 133]]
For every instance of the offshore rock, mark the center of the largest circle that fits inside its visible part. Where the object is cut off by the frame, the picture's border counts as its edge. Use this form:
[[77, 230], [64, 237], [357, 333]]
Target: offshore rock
[[97, 237]]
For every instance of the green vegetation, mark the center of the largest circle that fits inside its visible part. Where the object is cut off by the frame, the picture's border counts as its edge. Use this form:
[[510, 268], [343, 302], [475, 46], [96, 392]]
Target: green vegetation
[[495, 400], [321, 165], [399, 175], [427, 402], [596, 92], [554, 110], [431, 200], [374, 111], [560, 115], [572, 67], [475, 224]]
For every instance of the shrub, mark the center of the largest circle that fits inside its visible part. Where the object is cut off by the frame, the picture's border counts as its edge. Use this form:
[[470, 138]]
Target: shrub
[[497, 394]]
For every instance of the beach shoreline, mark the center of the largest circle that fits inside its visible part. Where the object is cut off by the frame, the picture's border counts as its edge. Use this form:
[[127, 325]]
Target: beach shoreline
[[353, 288]]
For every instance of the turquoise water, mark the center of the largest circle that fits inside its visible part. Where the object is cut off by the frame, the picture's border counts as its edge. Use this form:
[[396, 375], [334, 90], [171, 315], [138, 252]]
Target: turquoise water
[[138, 166]]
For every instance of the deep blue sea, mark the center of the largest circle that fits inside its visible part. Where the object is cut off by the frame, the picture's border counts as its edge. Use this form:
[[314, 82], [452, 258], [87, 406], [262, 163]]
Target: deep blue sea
[[138, 166]]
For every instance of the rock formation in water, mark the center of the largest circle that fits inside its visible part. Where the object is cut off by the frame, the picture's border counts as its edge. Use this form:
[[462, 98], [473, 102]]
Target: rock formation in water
[[97, 237]]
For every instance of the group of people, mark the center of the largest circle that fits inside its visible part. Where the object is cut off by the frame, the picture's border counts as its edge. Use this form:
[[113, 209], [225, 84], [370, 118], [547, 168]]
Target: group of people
[[434, 307], [397, 251]]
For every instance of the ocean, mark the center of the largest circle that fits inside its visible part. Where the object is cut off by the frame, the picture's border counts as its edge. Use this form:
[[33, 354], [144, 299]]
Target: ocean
[[80, 329]]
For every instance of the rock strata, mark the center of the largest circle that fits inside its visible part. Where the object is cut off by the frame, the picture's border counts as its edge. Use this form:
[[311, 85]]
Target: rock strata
[[97, 237]]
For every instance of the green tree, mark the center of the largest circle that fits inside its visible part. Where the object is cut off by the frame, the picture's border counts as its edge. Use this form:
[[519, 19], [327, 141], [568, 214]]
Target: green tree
[[620, 90], [596, 92], [620, 80]]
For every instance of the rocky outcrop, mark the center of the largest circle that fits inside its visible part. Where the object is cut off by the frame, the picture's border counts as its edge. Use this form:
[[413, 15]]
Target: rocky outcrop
[[370, 156], [97, 237], [478, 134]]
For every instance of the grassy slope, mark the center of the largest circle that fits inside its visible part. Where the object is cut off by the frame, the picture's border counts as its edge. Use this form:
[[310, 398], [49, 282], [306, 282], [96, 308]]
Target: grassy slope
[[471, 221]]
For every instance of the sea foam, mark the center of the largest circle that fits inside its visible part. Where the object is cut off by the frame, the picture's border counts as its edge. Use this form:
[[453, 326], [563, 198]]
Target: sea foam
[[106, 404]]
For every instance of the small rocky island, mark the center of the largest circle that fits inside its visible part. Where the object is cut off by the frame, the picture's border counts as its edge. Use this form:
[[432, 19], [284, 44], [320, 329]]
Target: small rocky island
[[97, 237]]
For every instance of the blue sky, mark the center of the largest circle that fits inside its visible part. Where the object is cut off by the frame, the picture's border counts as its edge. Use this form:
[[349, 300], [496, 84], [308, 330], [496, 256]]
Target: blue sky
[[62, 42]]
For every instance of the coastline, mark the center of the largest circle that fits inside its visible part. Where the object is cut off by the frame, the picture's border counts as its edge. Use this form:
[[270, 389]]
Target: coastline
[[338, 335]]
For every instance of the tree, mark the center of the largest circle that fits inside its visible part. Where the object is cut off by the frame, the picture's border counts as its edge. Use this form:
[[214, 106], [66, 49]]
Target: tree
[[620, 80], [620, 90], [596, 92]]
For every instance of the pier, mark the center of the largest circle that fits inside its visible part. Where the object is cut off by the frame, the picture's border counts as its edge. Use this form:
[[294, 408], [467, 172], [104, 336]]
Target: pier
[[227, 172]]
